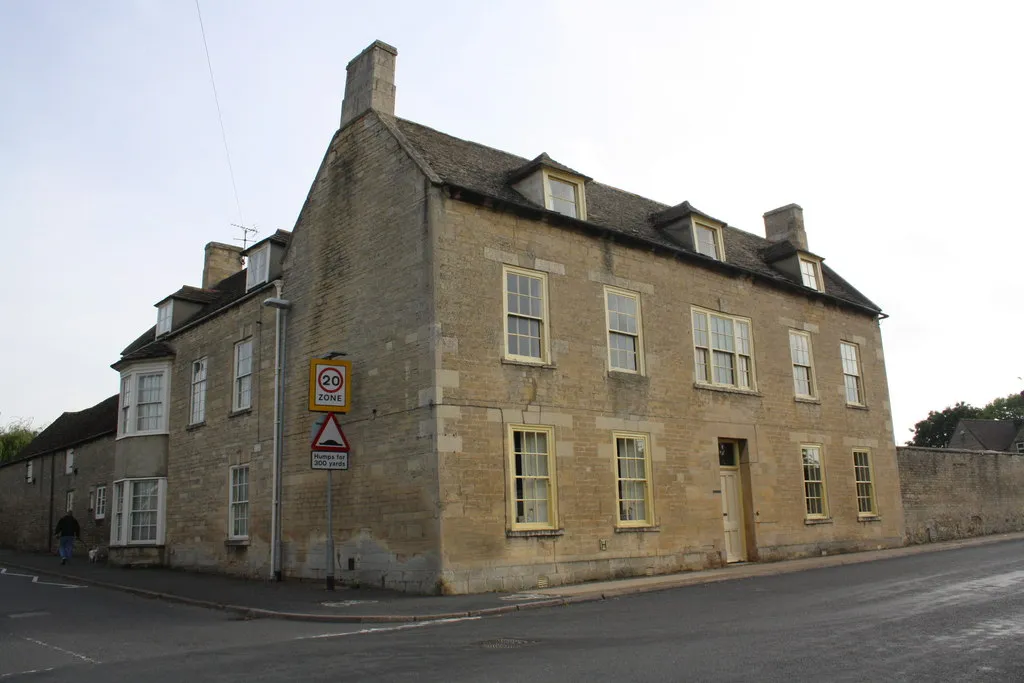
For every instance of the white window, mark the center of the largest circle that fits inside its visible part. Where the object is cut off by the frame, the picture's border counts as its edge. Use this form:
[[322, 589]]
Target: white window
[[1019, 446], [258, 267], [814, 482], [803, 372], [723, 350], [238, 508], [851, 373], [810, 274], [144, 395], [532, 477], [633, 472], [525, 315], [28, 472], [625, 350], [100, 506], [243, 375], [197, 400], [708, 240], [865, 483], [565, 196], [69, 461], [139, 512], [163, 318], [69, 501]]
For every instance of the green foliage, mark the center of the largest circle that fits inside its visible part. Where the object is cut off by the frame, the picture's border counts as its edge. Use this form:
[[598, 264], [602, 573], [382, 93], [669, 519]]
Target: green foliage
[[934, 431], [14, 437]]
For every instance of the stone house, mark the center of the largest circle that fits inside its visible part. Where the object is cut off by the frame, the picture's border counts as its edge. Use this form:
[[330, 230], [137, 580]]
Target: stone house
[[68, 466], [553, 381], [988, 435]]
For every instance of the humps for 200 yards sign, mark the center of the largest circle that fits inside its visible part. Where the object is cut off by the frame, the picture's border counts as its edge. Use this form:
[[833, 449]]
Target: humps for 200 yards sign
[[330, 386]]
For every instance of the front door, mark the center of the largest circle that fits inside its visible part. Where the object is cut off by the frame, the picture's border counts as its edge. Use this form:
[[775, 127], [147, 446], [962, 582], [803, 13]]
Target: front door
[[732, 502]]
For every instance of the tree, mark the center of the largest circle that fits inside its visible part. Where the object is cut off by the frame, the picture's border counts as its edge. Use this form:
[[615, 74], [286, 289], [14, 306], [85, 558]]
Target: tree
[[14, 437], [934, 431], [1007, 408]]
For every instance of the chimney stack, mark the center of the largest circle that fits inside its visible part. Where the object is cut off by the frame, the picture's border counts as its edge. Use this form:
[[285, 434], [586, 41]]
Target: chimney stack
[[786, 223], [222, 260], [370, 82]]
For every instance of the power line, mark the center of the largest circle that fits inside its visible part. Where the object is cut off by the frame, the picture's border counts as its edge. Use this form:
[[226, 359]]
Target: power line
[[220, 117]]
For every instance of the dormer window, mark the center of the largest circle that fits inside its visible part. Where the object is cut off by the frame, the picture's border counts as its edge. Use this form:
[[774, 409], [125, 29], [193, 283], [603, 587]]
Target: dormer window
[[708, 240], [810, 274], [563, 196], [163, 318], [258, 268]]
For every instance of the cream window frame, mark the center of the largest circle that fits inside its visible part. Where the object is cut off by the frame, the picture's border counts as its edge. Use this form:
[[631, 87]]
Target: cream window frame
[[239, 377], [29, 478], [638, 337], [100, 502], [871, 496], [858, 376], [129, 401], [818, 283], [239, 510], [69, 461], [69, 501], [821, 481], [197, 390], [257, 267], [552, 485], [812, 375], [124, 512], [164, 318], [719, 240], [647, 480], [578, 184], [545, 336], [710, 349], [1019, 445]]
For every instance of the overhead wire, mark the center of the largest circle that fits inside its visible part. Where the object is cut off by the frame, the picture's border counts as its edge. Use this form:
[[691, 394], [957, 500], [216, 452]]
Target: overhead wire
[[220, 116]]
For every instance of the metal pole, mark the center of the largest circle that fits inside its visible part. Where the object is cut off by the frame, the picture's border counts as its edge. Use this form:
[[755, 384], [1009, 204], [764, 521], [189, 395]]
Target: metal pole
[[330, 536]]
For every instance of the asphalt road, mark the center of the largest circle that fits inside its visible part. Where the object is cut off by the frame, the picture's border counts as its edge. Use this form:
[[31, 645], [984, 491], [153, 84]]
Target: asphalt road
[[956, 615]]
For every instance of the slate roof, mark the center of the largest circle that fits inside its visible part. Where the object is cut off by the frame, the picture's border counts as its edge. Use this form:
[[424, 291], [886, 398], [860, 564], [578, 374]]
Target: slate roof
[[490, 172], [221, 295], [71, 429], [993, 435]]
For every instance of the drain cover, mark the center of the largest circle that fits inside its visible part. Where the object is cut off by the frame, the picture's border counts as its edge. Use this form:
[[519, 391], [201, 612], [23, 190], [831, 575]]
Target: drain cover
[[504, 643]]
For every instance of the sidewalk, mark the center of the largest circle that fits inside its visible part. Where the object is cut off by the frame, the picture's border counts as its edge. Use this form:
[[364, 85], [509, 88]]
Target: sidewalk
[[309, 601]]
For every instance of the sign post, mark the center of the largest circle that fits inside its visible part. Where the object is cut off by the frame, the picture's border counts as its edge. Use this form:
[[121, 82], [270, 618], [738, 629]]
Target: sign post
[[329, 451]]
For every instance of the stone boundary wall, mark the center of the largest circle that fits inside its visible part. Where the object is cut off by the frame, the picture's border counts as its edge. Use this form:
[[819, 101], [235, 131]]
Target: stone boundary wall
[[950, 494]]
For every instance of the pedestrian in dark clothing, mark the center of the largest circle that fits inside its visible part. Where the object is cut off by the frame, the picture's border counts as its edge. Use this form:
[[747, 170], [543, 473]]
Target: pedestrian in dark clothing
[[68, 530]]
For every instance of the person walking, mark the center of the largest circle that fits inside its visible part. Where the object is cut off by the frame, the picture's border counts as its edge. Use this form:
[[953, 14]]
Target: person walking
[[68, 530]]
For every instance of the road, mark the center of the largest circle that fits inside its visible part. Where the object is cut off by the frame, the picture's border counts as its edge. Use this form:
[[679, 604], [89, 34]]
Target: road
[[956, 615]]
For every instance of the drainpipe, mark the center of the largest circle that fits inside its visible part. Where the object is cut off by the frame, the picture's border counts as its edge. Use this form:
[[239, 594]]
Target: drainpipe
[[280, 307]]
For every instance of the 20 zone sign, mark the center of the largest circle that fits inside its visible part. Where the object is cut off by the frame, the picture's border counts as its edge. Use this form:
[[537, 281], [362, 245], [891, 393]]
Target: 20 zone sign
[[329, 385]]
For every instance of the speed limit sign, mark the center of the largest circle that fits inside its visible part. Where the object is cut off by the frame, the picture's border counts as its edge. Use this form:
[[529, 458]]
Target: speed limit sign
[[330, 386]]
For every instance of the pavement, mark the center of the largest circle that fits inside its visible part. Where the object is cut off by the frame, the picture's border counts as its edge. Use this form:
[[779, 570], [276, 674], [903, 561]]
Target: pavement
[[301, 600]]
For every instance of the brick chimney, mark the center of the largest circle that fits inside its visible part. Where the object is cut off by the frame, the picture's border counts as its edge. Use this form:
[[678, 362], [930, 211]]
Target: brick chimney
[[222, 260], [370, 83], [786, 223]]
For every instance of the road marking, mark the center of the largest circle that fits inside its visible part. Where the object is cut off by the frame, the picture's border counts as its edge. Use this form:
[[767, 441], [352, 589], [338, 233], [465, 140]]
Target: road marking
[[60, 649], [347, 603], [22, 615], [30, 671], [525, 596], [35, 579], [385, 629]]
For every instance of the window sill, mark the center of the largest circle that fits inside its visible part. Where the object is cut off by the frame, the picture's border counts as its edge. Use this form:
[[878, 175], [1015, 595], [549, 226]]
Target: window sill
[[137, 544], [817, 520], [637, 529], [856, 406], [237, 542], [193, 427], [726, 390], [627, 375], [868, 518], [528, 364], [530, 533], [807, 399], [240, 411]]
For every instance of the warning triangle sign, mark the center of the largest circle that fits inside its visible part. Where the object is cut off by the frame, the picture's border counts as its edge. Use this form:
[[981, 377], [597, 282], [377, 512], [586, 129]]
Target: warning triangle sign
[[330, 437]]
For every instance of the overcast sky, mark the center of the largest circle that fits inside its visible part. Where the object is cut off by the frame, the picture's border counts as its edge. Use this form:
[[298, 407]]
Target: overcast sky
[[898, 126]]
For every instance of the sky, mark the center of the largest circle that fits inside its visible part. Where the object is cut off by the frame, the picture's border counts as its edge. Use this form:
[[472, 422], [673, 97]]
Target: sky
[[896, 125]]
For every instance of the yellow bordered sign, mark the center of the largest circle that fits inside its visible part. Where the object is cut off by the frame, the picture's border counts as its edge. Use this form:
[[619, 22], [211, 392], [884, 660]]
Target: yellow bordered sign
[[330, 385]]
